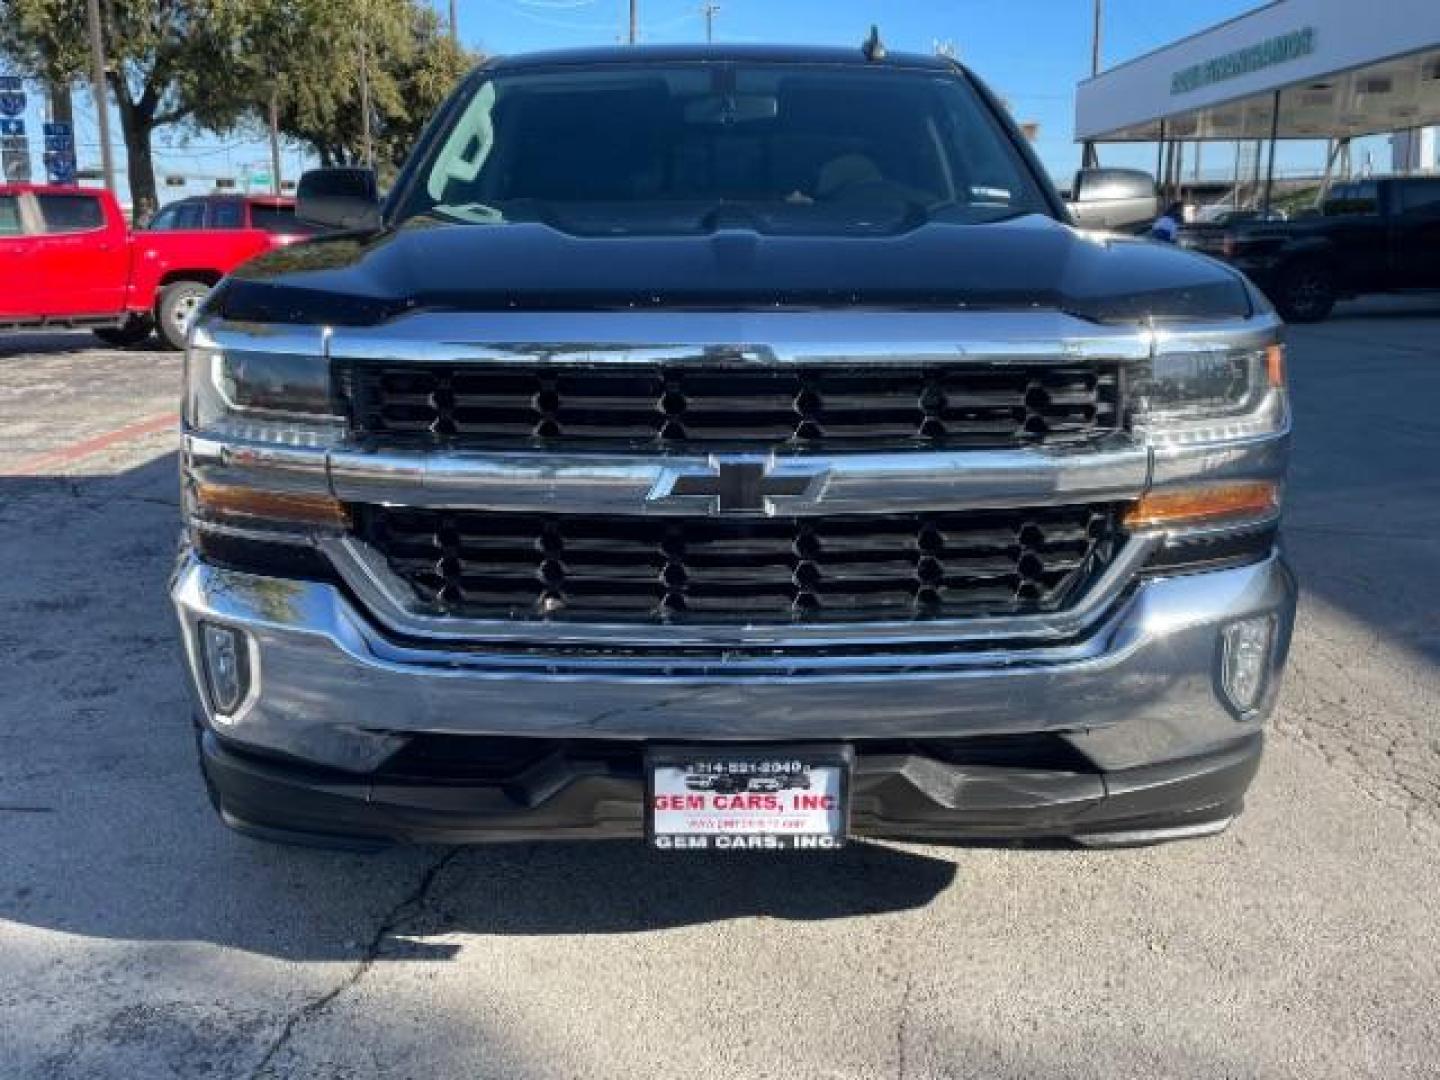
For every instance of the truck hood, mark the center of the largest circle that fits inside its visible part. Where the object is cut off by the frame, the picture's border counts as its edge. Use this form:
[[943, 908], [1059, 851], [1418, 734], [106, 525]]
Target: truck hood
[[1026, 263]]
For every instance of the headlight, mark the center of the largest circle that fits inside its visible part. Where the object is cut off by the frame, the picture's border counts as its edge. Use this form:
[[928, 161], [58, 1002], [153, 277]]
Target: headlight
[[259, 396], [1191, 393]]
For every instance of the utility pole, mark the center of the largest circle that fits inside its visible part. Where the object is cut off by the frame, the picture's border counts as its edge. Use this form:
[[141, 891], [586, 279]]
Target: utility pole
[[1090, 158], [62, 110], [274, 139], [1095, 38], [365, 101], [709, 11], [97, 87], [454, 23], [634, 21]]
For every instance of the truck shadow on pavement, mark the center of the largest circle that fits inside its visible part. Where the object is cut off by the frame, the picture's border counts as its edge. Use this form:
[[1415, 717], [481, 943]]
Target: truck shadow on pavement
[[106, 831], [25, 346]]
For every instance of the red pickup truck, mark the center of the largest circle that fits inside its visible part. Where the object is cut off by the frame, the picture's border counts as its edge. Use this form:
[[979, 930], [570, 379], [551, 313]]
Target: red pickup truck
[[67, 258]]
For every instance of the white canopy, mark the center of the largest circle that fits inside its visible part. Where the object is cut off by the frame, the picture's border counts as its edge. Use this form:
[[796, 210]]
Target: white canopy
[[1340, 67]]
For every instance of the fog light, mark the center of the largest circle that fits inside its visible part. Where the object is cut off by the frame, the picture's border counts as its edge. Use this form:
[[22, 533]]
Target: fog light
[[1245, 660], [227, 666]]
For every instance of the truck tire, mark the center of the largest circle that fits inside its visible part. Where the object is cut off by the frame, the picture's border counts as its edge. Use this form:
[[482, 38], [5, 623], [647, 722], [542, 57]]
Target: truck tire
[[135, 330], [1305, 293], [178, 303]]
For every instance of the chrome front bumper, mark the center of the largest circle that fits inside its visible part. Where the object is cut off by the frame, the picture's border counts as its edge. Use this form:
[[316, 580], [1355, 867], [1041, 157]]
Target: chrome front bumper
[[328, 688]]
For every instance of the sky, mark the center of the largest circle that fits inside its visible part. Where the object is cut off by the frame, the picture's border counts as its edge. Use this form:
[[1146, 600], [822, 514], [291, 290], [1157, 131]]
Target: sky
[[1031, 52]]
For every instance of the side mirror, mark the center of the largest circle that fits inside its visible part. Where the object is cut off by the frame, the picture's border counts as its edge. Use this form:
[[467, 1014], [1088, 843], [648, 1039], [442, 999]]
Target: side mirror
[[1116, 199], [346, 199]]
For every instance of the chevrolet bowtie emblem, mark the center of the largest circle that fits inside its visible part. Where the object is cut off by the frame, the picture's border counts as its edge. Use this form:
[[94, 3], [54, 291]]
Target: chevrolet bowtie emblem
[[739, 485]]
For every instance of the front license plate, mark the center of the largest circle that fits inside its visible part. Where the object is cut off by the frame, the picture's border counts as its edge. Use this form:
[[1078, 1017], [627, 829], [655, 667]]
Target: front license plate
[[740, 799]]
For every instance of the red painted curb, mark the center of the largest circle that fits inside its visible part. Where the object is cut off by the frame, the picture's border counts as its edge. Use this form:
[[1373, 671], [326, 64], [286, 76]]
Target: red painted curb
[[67, 455]]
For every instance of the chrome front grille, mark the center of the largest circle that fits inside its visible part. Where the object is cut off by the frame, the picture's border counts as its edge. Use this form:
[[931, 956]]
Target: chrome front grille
[[931, 406], [835, 568]]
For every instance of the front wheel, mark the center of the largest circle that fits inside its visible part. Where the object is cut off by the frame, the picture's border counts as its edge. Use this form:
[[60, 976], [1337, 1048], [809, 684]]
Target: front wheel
[[1305, 293], [179, 301]]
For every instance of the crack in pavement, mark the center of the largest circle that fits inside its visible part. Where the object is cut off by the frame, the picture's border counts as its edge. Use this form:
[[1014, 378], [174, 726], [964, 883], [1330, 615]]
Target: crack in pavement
[[408, 907], [904, 970], [903, 1021]]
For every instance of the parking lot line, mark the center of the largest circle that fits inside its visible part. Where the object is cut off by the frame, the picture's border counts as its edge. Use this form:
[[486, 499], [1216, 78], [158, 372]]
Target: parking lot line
[[73, 452]]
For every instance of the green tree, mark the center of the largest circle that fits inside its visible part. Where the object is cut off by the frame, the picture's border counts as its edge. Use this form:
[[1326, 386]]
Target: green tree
[[210, 65], [170, 62], [410, 65]]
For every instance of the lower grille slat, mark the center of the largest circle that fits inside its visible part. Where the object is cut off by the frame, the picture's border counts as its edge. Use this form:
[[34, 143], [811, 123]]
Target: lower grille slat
[[843, 568]]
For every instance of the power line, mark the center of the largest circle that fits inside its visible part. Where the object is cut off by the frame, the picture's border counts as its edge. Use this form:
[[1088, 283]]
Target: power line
[[527, 12]]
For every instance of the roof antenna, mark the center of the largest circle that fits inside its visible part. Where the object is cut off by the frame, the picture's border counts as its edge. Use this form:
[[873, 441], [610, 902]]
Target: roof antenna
[[874, 48]]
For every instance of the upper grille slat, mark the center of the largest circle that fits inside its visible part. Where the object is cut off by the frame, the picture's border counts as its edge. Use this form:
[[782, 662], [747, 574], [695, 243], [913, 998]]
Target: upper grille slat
[[684, 404], [846, 568]]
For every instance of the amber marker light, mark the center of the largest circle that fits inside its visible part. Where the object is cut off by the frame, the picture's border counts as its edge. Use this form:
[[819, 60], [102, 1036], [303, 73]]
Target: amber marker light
[[1202, 503], [225, 501], [1275, 365]]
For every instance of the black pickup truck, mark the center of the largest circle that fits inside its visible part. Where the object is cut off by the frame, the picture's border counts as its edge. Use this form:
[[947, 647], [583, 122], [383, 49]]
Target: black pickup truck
[[739, 404], [1371, 236]]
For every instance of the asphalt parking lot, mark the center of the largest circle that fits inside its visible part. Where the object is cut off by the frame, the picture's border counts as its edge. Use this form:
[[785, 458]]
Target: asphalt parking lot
[[138, 938]]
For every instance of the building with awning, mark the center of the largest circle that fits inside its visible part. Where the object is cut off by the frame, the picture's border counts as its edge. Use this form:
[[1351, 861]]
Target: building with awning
[[1293, 69]]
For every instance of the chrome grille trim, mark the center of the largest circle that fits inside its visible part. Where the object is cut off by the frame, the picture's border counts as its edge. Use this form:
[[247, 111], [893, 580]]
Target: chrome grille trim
[[773, 338], [638, 484], [1113, 468]]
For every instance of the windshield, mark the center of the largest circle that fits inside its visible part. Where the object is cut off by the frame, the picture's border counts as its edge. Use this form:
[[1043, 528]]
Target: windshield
[[692, 148]]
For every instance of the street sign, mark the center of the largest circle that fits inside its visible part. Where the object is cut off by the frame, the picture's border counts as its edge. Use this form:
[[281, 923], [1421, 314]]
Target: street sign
[[12, 95], [14, 143], [60, 164], [16, 164], [59, 137]]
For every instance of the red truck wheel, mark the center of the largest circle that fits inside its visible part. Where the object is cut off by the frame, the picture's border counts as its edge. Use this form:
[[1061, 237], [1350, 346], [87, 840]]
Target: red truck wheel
[[178, 303]]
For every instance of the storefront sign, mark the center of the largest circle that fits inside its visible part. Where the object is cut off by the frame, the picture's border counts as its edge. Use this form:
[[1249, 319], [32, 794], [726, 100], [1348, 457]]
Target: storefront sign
[[1268, 53]]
